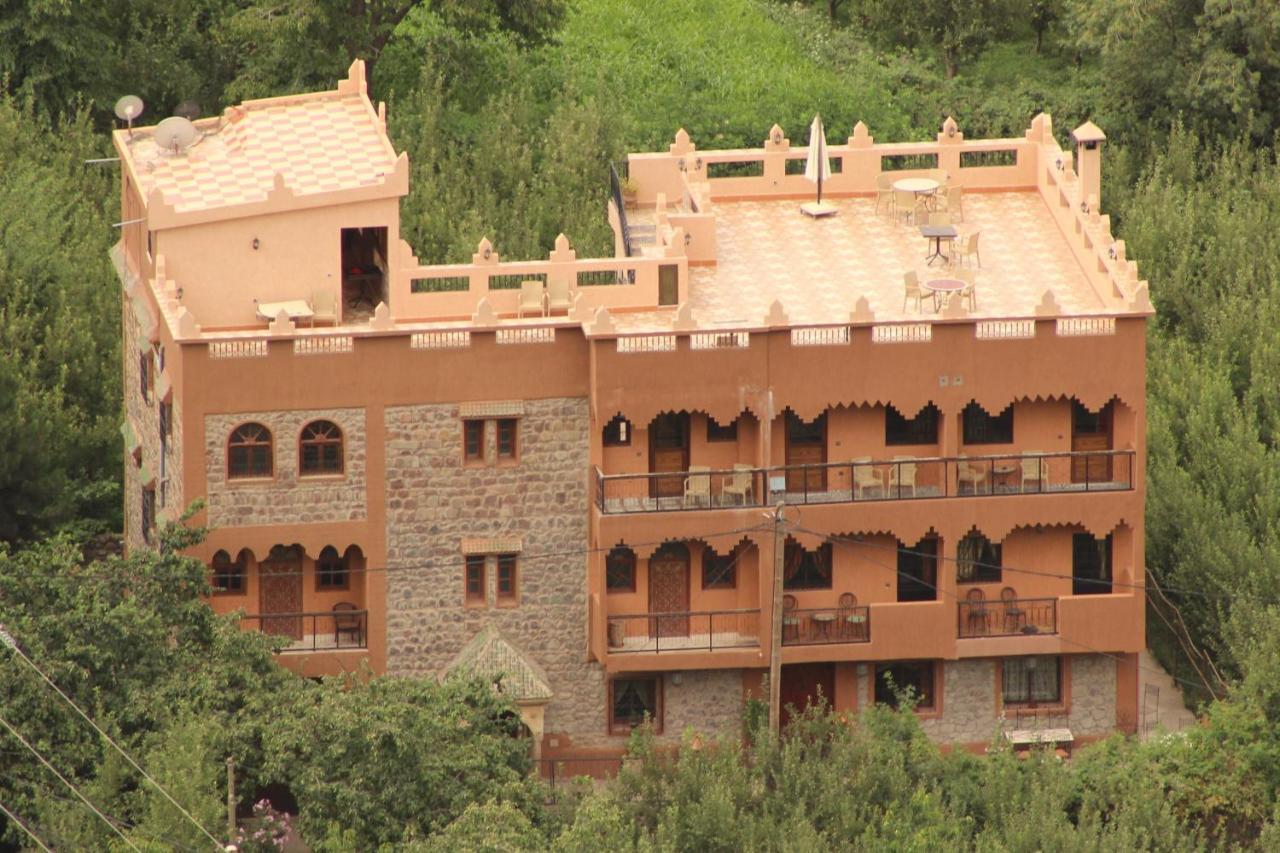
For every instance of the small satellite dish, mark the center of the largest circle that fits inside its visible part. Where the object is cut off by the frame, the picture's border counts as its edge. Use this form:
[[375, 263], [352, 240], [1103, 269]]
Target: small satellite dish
[[188, 110], [127, 109], [175, 134]]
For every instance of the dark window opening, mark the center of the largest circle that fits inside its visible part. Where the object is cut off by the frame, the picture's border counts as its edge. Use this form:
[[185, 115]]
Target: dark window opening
[[632, 701], [364, 271], [982, 428], [320, 448], [331, 570], [617, 433], [915, 678], [145, 367], [473, 440], [507, 438], [719, 571], [506, 578], [715, 432], [918, 570], [620, 570], [1032, 680], [249, 452], [148, 515], [1085, 422], [921, 429], [978, 559], [228, 577], [805, 569], [475, 579], [1090, 564]]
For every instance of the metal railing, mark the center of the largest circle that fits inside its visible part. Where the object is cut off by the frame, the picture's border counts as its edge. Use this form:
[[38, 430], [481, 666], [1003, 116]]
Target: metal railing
[[804, 627], [1005, 618], [683, 631], [905, 478], [319, 631], [615, 189]]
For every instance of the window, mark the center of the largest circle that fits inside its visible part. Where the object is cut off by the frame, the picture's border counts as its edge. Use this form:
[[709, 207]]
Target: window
[[805, 569], [228, 577], [915, 678], [1090, 564], [249, 452], [978, 559], [331, 570], [506, 579], [320, 448], [620, 570], [981, 428], [145, 367], [473, 441], [617, 433], [719, 572], [1031, 680], [918, 570], [632, 701], [715, 432], [166, 421], [148, 515], [475, 580], [507, 438], [922, 429]]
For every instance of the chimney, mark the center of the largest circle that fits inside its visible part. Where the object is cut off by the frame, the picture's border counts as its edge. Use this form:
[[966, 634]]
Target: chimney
[[1089, 138]]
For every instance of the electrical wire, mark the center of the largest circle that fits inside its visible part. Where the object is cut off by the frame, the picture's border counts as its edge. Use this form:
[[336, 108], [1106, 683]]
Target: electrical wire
[[13, 818]]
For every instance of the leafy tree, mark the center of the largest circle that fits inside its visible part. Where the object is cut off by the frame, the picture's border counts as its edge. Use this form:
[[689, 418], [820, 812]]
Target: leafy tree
[[1041, 14], [957, 29]]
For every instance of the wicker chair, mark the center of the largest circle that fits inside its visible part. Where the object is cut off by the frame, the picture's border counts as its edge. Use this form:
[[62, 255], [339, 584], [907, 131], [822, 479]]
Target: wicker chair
[[1013, 614], [790, 621], [348, 621], [853, 622], [977, 621]]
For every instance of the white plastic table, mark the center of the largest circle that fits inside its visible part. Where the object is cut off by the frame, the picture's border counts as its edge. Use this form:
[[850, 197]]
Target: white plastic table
[[297, 309]]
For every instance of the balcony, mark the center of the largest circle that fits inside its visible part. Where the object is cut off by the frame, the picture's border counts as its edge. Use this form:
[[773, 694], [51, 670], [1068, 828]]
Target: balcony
[[704, 631], [313, 632], [816, 626], [873, 480], [1007, 617]]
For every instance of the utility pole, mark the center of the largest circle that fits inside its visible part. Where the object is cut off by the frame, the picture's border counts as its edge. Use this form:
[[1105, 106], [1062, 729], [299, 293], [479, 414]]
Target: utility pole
[[775, 639], [231, 802]]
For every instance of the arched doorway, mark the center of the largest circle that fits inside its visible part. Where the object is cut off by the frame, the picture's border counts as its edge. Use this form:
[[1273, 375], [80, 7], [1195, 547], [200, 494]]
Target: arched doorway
[[280, 592], [669, 589]]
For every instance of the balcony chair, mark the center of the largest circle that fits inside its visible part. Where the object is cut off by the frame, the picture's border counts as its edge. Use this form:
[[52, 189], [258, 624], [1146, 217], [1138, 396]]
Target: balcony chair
[[969, 292], [865, 476], [913, 290], [904, 206], [1013, 614], [347, 621], [968, 472], [968, 248], [697, 486], [884, 192], [902, 475], [324, 308], [953, 203], [853, 621], [531, 298], [790, 621], [738, 484], [1033, 469], [978, 618], [558, 296]]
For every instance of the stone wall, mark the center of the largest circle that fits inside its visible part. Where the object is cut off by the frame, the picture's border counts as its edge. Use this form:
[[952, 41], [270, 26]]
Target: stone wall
[[969, 713], [1093, 695], [286, 498], [707, 701]]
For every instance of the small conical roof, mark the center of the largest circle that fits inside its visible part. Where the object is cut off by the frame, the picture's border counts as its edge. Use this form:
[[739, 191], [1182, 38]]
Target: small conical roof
[[1088, 132]]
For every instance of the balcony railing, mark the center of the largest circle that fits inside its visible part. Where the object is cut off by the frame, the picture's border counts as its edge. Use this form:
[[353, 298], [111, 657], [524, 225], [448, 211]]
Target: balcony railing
[[687, 631], [310, 632], [826, 625], [873, 480], [1005, 618]]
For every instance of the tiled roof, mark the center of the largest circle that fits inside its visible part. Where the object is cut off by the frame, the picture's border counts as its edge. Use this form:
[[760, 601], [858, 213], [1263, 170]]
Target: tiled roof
[[490, 655], [317, 143]]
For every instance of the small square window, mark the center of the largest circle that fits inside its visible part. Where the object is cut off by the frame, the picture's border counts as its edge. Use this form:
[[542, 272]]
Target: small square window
[[475, 580], [507, 430], [632, 701], [719, 571], [507, 579], [915, 677], [473, 440], [715, 432], [146, 364], [617, 433]]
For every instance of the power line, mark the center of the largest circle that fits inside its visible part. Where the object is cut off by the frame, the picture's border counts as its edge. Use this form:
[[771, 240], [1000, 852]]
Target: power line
[[9, 641], [13, 818], [64, 781]]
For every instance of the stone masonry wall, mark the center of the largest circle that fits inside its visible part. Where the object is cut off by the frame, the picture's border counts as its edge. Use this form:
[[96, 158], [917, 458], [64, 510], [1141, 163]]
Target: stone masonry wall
[[434, 501], [286, 498], [707, 701], [1093, 695], [968, 703]]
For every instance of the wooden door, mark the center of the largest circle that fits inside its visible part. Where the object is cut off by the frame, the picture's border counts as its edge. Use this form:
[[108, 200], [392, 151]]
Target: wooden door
[[806, 445], [280, 591], [669, 590], [668, 284], [1090, 432], [802, 683], [668, 451]]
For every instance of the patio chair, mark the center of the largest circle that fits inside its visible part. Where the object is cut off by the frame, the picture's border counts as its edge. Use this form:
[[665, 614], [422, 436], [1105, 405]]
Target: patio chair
[[968, 472], [738, 484], [969, 293], [884, 192], [977, 617], [953, 203], [349, 622], [697, 486], [852, 620], [530, 298], [1033, 469], [904, 206], [790, 621], [324, 307], [558, 296], [864, 476], [1013, 614], [968, 248], [902, 475], [913, 290]]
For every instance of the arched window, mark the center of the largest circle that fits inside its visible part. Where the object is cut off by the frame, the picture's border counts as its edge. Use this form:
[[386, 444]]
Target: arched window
[[331, 570], [249, 452], [320, 449], [228, 577], [620, 570]]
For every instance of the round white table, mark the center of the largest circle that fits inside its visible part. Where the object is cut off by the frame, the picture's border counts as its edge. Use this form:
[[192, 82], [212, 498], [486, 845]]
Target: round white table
[[919, 186]]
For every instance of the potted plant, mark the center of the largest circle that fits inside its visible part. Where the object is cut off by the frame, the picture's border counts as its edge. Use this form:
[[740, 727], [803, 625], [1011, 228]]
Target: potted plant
[[630, 189]]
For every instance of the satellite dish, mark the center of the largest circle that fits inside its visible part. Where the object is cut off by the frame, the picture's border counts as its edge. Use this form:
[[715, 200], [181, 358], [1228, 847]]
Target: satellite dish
[[127, 109], [188, 110], [175, 134]]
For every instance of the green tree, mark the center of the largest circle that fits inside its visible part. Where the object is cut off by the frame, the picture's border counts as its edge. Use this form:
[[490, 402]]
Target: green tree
[[957, 29]]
